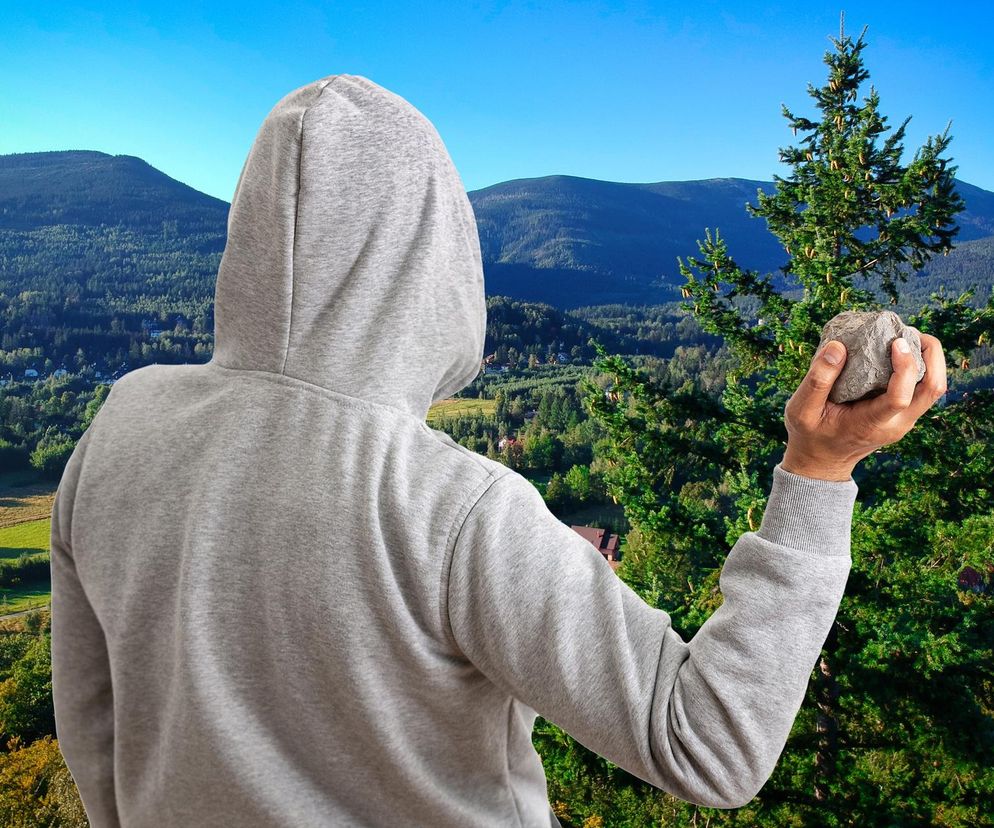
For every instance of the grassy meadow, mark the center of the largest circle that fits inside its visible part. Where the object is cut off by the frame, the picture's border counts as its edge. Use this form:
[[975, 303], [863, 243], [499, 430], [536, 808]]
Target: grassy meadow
[[460, 408], [25, 523]]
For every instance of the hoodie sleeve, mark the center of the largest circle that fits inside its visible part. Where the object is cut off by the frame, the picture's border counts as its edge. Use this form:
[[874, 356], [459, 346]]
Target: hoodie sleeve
[[81, 679], [540, 612]]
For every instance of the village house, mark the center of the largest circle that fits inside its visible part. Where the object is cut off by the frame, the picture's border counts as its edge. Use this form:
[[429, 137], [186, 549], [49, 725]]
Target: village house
[[604, 542]]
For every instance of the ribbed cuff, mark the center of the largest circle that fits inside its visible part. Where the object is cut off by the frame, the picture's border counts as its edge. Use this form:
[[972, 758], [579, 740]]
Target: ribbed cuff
[[809, 514]]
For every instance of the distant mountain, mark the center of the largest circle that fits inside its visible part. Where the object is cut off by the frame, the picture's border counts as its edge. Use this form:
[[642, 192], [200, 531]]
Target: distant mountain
[[575, 241], [79, 217], [84, 187], [99, 251], [977, 220]]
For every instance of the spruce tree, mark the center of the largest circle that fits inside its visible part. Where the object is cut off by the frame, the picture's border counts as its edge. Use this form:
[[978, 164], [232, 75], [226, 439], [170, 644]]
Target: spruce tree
[[898, 724]]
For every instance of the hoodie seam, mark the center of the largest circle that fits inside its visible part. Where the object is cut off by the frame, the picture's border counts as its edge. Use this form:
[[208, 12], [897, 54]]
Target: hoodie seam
[[296, 217], [359, 403], [458, 523], [356, 403]]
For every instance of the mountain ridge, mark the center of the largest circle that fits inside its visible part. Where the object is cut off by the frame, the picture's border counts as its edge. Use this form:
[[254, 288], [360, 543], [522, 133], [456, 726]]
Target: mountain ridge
[[88, 187], [570, 241]]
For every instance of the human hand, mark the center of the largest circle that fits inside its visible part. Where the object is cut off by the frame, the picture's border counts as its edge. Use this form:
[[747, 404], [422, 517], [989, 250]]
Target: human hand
[[826, 440]]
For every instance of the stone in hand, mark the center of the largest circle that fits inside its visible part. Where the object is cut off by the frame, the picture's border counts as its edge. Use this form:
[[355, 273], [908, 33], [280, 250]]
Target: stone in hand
[[867, 336]]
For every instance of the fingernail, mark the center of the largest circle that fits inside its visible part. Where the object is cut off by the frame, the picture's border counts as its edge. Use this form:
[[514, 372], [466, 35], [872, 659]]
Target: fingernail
[[832, 355], [903, 346]]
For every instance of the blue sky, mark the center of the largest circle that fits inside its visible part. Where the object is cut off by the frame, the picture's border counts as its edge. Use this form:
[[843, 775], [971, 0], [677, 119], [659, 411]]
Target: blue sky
[[619, 91]]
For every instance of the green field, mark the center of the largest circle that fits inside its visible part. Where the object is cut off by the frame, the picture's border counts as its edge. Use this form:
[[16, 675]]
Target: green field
[[25, 524], [24, 598], [460, 408], [29, 537]]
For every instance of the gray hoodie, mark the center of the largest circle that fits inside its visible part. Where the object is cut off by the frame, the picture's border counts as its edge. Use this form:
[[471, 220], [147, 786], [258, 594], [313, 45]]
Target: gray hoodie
[[280, 599]]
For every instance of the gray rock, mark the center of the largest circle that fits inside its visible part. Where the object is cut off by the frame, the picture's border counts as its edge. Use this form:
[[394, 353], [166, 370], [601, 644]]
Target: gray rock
[[867, 336]]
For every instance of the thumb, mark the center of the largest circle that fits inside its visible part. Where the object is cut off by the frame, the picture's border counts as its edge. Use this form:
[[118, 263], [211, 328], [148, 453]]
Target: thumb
[[826, 365]]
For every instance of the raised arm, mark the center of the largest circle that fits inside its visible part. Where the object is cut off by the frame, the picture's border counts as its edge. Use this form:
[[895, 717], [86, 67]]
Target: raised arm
[[539, 611]]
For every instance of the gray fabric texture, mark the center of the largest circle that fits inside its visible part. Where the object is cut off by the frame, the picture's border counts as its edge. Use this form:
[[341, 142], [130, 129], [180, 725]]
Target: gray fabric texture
[[280, 598]]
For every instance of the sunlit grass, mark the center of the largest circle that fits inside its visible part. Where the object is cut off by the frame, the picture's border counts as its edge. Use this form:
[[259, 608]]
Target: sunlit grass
[[460, 407], [23, 497], [31, 537]]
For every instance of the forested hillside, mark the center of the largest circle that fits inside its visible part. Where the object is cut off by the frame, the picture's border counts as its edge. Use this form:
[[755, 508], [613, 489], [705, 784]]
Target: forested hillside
[[108, 264]]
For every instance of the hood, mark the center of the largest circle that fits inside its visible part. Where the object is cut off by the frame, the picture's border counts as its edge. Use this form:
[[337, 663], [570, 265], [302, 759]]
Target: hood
[[352, 260]]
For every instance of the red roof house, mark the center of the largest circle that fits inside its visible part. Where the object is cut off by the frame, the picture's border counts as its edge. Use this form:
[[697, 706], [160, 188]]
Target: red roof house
[[604, 542]]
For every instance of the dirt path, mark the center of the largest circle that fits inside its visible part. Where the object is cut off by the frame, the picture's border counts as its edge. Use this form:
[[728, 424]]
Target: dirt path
[[23, 612]]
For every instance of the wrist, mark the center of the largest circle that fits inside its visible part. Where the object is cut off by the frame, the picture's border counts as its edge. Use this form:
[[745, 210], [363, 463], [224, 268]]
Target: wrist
[[796, 463]]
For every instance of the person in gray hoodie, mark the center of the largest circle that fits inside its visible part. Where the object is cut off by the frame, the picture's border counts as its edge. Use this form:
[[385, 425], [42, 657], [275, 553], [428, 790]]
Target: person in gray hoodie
[[279, 598]]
